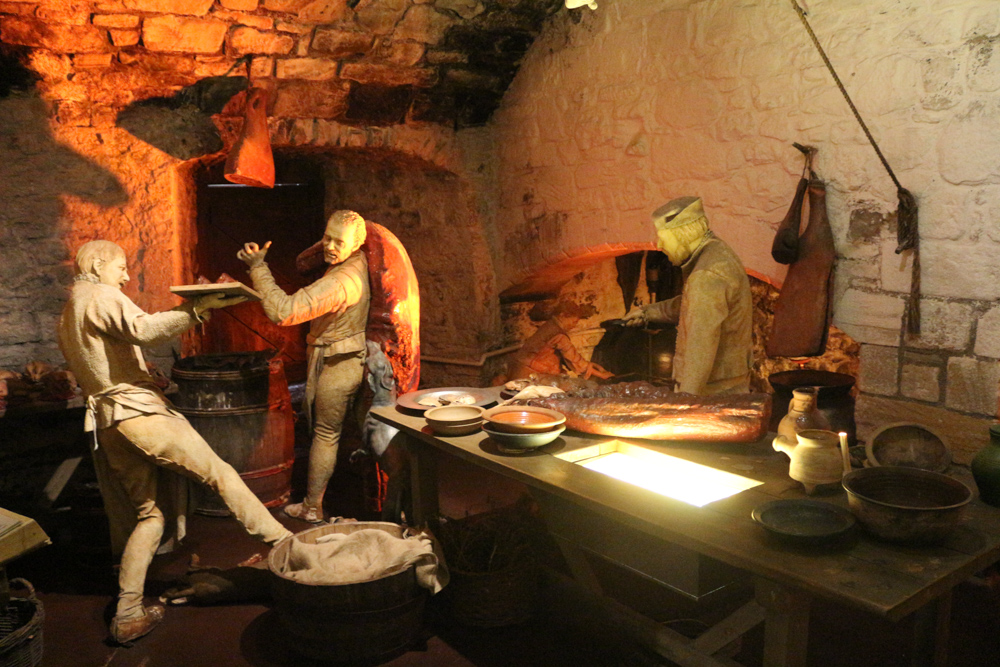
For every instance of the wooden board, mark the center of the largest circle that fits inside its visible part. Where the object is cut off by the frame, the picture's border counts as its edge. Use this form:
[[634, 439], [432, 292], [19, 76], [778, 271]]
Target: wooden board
[[229, 289]]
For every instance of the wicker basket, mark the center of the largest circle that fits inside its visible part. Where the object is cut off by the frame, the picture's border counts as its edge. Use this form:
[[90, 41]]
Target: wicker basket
[[21, 629], [494, 599]]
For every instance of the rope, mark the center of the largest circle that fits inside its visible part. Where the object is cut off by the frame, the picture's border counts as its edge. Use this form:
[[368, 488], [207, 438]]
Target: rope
[[907, 236], [843, 91]]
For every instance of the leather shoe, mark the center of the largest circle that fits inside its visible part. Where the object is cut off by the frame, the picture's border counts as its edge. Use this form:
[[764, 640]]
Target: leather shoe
[[127, 630], [304, 512]]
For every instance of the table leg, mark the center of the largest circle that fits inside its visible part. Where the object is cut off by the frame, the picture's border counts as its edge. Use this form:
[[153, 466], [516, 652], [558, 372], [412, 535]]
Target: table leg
[[786, 624], [423, 482], [931, 628]]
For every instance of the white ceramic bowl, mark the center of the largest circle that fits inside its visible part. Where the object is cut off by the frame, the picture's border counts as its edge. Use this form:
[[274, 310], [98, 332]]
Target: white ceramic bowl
[[454, 419], [523, 419]]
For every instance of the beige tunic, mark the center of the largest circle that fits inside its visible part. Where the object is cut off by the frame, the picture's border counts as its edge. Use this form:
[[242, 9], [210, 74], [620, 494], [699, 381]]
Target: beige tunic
[[714, 315], [99, 333], [336, 306]]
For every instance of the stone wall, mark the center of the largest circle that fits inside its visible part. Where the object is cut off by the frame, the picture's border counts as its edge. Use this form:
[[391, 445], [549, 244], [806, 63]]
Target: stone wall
[[104, 123], [618, 110]]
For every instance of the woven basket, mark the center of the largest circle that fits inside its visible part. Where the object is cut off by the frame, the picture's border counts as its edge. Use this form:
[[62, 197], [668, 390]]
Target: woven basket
[[21, 629], [495, 599]]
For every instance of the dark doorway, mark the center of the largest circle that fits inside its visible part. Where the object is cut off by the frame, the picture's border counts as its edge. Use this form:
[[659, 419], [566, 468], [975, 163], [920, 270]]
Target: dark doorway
[[291, 216]]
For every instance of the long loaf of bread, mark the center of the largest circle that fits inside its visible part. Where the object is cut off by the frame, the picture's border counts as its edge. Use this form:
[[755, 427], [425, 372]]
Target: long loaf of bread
[[640, 410]]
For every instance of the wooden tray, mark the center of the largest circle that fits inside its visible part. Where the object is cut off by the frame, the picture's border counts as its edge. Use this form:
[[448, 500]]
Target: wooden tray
[[229, 289]]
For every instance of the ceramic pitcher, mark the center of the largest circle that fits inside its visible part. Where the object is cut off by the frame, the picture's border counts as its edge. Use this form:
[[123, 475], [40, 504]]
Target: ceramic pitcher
[[816, 458]]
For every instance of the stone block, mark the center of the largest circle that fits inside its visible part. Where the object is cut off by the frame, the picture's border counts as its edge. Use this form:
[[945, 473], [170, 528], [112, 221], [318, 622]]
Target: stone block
[[240, 5], [240, 18], [983, 65], [187, 7], [294, 28], [341, 43], [178, 34], [972, 385], [56, 37], [402, 53], [17, 7], [96, 60], [380, 16], [965, 434], [250, 40], [305, 99], [879, 370], [423, 23], [988, 334], [314, 11], [963, 270], [387, 75], [968, 144], [18, 327], [467, 9], [895, 271], [921, 383], [262, 68], [68, 13], [944, 325], [124, 37], [870, 318], [312, 69]]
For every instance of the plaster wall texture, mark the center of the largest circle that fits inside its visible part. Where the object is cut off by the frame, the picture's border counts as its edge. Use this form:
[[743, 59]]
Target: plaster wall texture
[[618, 110]]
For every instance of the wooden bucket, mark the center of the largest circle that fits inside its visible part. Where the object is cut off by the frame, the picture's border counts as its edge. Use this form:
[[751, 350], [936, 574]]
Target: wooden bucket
[[241, 405], [348, 622]]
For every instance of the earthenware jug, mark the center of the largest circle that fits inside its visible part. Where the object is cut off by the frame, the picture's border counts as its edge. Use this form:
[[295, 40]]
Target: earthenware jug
[[815, 459], [803, 414], [986, 469]]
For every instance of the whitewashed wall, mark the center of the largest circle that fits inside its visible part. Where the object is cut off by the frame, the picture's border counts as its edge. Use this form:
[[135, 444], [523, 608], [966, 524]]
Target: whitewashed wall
[[616, 111]]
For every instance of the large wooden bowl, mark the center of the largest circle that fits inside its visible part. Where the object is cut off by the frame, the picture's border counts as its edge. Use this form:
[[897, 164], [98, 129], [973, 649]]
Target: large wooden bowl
[[523, 419], [906, 505]]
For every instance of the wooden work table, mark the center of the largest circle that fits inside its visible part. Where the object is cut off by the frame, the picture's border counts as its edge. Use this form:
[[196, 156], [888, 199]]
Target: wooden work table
[[888, 580]]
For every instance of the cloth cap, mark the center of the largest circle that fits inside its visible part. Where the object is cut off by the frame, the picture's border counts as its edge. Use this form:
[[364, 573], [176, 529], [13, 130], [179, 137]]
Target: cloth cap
[[678, 212]]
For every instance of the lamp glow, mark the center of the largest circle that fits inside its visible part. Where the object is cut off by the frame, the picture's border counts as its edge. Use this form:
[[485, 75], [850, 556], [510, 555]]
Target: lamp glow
[[669, 476]]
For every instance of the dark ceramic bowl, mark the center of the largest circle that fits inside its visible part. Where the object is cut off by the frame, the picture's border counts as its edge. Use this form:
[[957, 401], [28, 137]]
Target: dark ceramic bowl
[[906, 505], [909, 445]]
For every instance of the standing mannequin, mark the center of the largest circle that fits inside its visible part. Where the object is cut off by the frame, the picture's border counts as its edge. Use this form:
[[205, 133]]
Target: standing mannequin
[[336, 305], [138, 434], [714, 311]]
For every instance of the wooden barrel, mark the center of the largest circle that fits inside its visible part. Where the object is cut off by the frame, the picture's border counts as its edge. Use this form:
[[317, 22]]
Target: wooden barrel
[[349, 622], [241, 405]]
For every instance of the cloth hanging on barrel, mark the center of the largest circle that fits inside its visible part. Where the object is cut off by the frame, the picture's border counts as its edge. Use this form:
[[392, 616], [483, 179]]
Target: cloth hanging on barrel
[[802, 311]]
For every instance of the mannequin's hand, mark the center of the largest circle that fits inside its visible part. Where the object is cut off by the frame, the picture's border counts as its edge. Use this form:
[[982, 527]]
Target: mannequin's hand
[[635, 318], [252, 254], [207, 302], [596, 370]]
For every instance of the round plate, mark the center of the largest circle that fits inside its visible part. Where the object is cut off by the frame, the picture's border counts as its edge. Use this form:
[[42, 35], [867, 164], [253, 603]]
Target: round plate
[[410, 400], [804, 521]]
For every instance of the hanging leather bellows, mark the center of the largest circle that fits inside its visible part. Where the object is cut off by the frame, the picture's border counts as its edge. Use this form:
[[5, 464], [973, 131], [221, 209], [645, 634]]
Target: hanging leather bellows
[[250, 161], [785, 248]]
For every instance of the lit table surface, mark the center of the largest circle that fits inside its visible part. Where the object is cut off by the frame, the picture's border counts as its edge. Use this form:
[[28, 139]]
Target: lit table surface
[[888, 580]]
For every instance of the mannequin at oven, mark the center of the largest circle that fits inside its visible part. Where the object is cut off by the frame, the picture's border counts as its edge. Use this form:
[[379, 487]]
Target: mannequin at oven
[[336, 305], [549, 351], [713, 314], [140, 439]]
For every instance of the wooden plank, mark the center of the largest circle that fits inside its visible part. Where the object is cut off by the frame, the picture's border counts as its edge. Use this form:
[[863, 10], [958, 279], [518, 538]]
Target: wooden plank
[[931, 630], [786, 629], [730, 628]]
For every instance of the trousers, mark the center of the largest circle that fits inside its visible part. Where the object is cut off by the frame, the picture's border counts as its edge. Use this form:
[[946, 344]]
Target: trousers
[[136, 450]]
